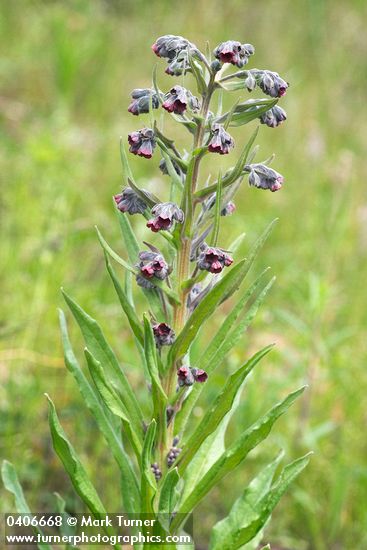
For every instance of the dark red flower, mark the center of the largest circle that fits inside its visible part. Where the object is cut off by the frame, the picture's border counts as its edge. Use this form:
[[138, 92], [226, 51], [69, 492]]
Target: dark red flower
[[152, 265], [178, 99], [163, 334], [213, 259], [221, 142], [200, 375], [142, 143], [165, 214], [234, 52]]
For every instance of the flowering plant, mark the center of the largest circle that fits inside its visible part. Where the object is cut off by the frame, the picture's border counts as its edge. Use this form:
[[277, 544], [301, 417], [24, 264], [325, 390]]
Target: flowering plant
[[168, 462]]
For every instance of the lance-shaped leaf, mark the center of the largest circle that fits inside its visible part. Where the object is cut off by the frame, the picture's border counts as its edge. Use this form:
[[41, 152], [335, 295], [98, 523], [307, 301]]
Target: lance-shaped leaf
[[223, 341], [101, 350], [150, 199], [233, 174], [150, 349], [168, 496], [217, 211], [221, 406], [130, 492], [244, 509], [148, 483], [125, 304], [112, 401], [233, 456], [11, 484], [75, 469], [220, 292], [261, 510], [245, 112]]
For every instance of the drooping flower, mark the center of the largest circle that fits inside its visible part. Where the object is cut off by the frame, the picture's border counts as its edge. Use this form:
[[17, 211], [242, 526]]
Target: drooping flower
[[178, 99], [274, 117], [228, 209], [142, 143], [169, 46], [263, 177], [221, 142], [141, 100], [152, 266], [165, 214], [234, 52], [187, 376], [164, 335], [129, 201], [271, 83], [213, 259]]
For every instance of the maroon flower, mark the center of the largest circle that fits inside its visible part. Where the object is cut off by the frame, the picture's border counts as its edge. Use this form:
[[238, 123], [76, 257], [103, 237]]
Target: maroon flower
[[163, 334], [129, 201], [221, 142], [200, 375], [213, 259], [178, 99], [234, 52], [187, 376], [274, 117], [152, 265], [271, 83], [165, 214], [141, 99], [263, 177], [142, 143]]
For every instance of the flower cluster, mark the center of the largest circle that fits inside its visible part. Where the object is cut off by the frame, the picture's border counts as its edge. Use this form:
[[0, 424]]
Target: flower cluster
[[175, 49], [142, 143], [152, 266], [163, 334], [234, 52], [178, 99], [187, 376], [213, 259], [172, 455]]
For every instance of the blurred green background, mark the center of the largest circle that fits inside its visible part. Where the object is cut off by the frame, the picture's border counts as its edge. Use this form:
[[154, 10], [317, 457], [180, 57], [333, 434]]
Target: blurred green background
[[66, 69]]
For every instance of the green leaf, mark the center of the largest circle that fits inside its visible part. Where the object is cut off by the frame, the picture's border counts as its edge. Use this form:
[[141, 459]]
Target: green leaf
[[150, 349], [65, 529], [112, 401], [125, 304], [106, 247], [244, 509], [245, 112], [220, 292], [198, 73], [130, 493], [101, 350], [267, 504], [222, 342], [76, 471], [217, 211], [167, 499], [11, 484], [221, 406], [131, 242], [233, 456], [155, 84], [148, 483]]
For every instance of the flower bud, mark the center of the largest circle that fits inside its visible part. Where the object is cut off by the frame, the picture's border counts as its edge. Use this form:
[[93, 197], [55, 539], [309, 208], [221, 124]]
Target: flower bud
[[163, 335], [228, 210], [185, 377], [250, 82], [200, 375], [274, 117], [234, 52], [263, 177], [178, 66], [169, 46], [152, 265], [141, 99], [129, 201], [221, 142], [165, 214], [164, 170], [156, 471], [142, 143], [178, 99], [216, 65], [213, 259], [172, 455], [271, 83]]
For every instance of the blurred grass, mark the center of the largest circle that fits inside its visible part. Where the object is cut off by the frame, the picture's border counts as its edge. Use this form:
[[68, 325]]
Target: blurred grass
[[66, 70]]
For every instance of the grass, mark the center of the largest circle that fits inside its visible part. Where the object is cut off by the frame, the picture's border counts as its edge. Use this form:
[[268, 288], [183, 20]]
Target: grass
[[67, 69]]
